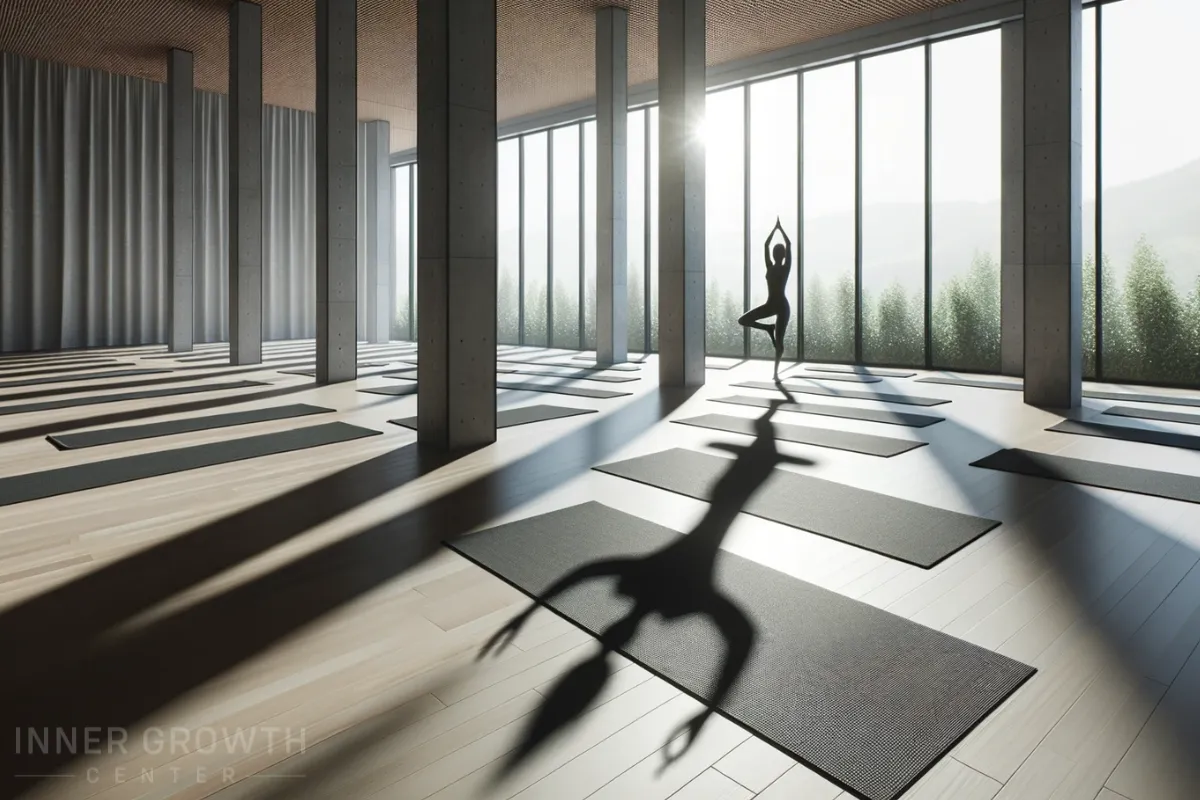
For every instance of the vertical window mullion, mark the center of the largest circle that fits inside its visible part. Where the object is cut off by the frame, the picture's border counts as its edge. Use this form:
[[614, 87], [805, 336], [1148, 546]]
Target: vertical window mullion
[[798, 250], [582, 238], [928, 317], [412, 255], [550, 238], [646, 232], [1098, 207], [746, 215], [858, 211], [521, 241]]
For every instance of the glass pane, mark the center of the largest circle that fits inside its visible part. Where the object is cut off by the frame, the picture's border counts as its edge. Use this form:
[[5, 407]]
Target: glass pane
[[652, 160], [773, 195], [893, 208], [566, 237], [1088, 317], [1150, 179], [416, 314], [724, 252], [589, 235], [635, 220], [400, 254], [536, 237], [508, 241], [966, 202], [828, 237]]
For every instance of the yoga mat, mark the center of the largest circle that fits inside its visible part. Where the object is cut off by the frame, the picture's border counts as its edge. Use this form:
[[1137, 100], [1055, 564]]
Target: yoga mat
[[1164, 399], [846, 378], [396, 390], [625, 367], [72, 402], [864, 443], [629, 358], [883, 373], [8, 372], [865, 697], [102, 436], [80, 477], [511, 417], [86, 376], [850, 394], [555, 388], [579, 375], [1128, 434], [1154, 414], [845, 412], [312, 373], [723, 363], [911, 532], [975, 383], [1170, 485]]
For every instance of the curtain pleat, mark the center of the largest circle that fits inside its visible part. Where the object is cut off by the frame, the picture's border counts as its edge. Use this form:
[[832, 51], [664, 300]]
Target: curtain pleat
[[83, 215]]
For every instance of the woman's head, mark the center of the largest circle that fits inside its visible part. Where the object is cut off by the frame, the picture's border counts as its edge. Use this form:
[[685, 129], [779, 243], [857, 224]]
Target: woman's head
[[779, 252]]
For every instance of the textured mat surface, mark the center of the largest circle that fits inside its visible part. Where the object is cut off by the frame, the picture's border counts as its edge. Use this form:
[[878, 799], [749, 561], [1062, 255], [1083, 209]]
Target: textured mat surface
[[80, 376], [511, 417], [1164, 399], [72, 402], [842, 368], [131, 433], [576, 364], [631, 358], [26, 372], [868, 698], [901, 529], [574, 374], [864, 443], [1161, 415], [792, 376], [399, 389], [976, 383], [1128, 434], [560, 388], [79, 477], [312, 372], [905, 418], [1151, 482], [849, 394]]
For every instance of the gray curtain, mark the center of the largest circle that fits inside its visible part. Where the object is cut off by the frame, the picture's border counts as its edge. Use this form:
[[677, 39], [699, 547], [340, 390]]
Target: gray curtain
[[83, 214]]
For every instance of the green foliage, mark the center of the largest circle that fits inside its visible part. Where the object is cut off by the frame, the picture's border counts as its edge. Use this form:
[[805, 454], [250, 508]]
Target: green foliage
[[723, 336], [894, 327], [966, 318], [829, 319]]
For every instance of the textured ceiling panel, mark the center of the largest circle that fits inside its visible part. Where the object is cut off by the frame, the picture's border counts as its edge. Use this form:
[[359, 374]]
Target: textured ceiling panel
[[545, 47]]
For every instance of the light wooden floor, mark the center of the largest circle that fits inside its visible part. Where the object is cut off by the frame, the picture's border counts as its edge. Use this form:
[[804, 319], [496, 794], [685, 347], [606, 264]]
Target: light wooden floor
[[293, 624]]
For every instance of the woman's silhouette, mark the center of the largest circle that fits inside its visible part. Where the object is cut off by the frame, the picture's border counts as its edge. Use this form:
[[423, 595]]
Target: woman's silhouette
[[779, 266]]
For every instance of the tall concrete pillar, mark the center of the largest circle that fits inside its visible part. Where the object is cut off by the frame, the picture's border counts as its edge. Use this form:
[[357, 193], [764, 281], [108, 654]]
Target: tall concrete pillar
[[1012, 198], [337, 191], [245, 183], [456, 222], [681, 192], [180, 210], [1053, 202], [377, 228], [612, 111]]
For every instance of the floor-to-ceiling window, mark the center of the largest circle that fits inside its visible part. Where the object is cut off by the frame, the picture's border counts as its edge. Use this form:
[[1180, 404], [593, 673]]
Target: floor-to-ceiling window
[[774, 195], [724, 255], [829, 212], [508, 242], [1088, 109], [535, 235], [635, 222], [402, 252], [565, 234], [965, 170], [1149, 220], [589, 235], [893, 208], [652, 232]]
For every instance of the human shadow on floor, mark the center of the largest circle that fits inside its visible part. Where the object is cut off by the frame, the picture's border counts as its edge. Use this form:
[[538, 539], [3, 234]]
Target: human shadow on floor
[[673, 582]]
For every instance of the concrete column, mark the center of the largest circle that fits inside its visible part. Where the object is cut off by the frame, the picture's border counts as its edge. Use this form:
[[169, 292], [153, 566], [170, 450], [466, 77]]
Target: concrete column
[[180, 209], [456, 222], [1053, 202], [1012, 198], [245, 183], [377, 229], [681, 192], [337, 191], [612, 111]]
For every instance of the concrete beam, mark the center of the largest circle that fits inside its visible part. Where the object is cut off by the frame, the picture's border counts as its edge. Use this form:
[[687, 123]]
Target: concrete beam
[[612, 79], [681, 192], [1053, 202], [245, 183], [337, 190], [180, 200], [456, 222]]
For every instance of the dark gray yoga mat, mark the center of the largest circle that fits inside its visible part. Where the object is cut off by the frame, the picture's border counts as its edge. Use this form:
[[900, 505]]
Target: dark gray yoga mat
[[6, 373], [80, 477], [131, 433], [902, 529], [312, 373], [844, 378], [1164, 399], [1154, 414], [975, 383], [578, 375], [845, 412], [72, 402], [883, 373], [723, 363], [560, 388], [851, 394], [86, 376], [533, 362], [398, 390], [1170, 485], [1128, 434], [864, 443], [629, 359], [511, 417], [865, 697]]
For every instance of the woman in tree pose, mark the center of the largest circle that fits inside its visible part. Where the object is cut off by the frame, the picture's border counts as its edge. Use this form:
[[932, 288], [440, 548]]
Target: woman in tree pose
[[779, 266]]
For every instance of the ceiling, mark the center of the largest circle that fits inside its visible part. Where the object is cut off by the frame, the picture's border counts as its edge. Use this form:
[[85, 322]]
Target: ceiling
[[545, 54]]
